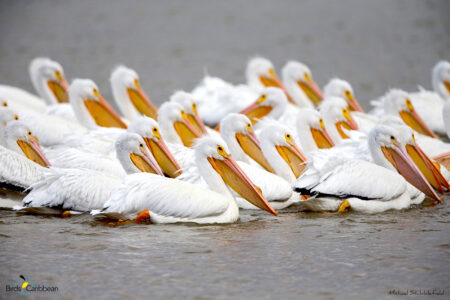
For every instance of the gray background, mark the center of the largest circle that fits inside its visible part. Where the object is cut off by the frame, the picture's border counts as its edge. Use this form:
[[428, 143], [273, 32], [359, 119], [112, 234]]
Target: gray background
[[373, 44]]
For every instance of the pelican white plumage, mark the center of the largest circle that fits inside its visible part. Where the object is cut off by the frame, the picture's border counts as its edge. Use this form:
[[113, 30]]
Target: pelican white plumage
[[336, 182], [281, 150], [300, 84], [237, 131], [337, 118], [311, 131], [446, 117], [129, 95], [175, 125], [340, 88], [171, 201]]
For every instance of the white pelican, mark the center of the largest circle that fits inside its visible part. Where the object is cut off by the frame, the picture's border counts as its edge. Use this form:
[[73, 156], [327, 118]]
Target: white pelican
[[129, 95], [172, 201], [22, 159], [86, 189], [237, 131], [311, 131], [175, 125], [271, 104], [148, 128], [398, 103], [340, 88], [300, 84], [90, 108], [280, 149], [337, 118], [336, 182], [189, 105]]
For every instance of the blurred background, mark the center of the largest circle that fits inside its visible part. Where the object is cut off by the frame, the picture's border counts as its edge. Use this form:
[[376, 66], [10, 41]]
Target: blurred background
[[373, 44]]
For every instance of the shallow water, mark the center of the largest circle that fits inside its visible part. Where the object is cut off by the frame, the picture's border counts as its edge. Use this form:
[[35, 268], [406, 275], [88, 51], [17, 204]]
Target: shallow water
[[373, 44]]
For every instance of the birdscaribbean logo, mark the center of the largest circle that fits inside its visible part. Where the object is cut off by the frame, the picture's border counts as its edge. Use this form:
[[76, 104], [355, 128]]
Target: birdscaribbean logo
[[24, 285]]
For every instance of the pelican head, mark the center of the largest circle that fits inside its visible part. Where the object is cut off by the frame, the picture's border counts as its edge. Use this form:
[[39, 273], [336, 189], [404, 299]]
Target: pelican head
[[148, 129], [175, 125], [427, 166], [337, 118], [134, 155], [340, 88], [278, 145], [189, 105], [90, 107], [19, 138], [441, 79], [397, 102], [237, 131], [271, 103], [220, 171], [129, 95], [48, 80], [388, 151], [300, 84], [311, 130], [260, 73]]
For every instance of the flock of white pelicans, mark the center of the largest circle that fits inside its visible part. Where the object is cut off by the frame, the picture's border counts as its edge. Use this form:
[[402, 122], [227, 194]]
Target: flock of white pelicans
[[205, 154]]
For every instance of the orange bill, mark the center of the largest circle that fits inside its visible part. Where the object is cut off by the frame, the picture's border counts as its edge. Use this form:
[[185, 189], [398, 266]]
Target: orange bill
[[103, 114], [295, 159], [235, 178], [413, 120], [142, 103], [145, 164], [33, 151], [250, 145], [164, 157], [406, 167]]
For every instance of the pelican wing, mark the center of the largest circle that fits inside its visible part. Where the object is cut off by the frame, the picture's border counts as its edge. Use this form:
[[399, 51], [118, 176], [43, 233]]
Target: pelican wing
[[17, 170], [165, 197], [64, 157], [74, 189], [329, 175]]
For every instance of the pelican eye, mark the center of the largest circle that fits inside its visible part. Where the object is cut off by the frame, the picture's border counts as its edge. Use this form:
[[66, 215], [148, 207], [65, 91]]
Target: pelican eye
[[392, 138], [4, 104], [322, 125], [409, 105], [136, 83], [288, 137], [16, 117], [141, 145], [249, 126], [413, 138], [348, 94], [29, 133], [222, 151], [96, 93], [156, 132], [194, 108], [272, 73], [307, 77], [346, 114], [58, 75], [262, 98]]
